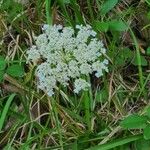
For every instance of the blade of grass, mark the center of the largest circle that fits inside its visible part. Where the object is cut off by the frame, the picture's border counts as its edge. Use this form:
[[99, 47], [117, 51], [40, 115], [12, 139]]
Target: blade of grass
[[66, 14], [86, 100], [57, 122], [90, 10], [48, 12], [116, 143], [138, 57], [5, 110], [77, 11], [88, 105], [25, 146], [144, 85], [13, 113]]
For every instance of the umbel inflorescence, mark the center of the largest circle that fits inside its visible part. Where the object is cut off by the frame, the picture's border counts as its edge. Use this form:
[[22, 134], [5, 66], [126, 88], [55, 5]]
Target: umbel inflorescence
[[68, 55]]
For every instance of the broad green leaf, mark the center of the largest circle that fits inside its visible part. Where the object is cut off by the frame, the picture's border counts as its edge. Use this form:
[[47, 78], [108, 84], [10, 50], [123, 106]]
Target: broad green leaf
[[2, 63], [101, 26], [113, 25], [134, 122], [148, 51], [143, 61], [117, 25], [148, 15], [66, 1], [142, 145], [108, 5], [147, 132], [148, 112], [15, 70], [128, 53], [124, 55], [1, 75], [63, 2]]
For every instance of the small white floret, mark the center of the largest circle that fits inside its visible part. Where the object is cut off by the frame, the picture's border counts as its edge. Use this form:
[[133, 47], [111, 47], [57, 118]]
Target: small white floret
[[80, 84]]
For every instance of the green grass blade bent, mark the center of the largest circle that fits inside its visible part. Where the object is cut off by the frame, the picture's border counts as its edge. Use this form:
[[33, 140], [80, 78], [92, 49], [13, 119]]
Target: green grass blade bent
[[116, 143], [5, 110]]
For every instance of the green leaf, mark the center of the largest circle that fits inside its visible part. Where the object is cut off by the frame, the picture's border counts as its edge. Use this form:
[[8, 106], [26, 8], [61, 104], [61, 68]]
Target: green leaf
[[117, 25], [147, 132], [107, 6], [101, 26], [15, 70], [124, 55], [134, 122], [142, 144], [148, 51], [143, 61], [66, 1], [1, 75], [148, 112], [63, 2], [2, 63], [113, 25]]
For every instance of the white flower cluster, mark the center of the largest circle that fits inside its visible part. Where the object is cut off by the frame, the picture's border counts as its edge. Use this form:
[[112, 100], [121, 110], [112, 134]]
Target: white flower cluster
[[67, 55]]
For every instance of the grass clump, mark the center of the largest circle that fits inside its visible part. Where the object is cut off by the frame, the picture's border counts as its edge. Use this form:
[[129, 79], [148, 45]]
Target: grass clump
[[113, 111]]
